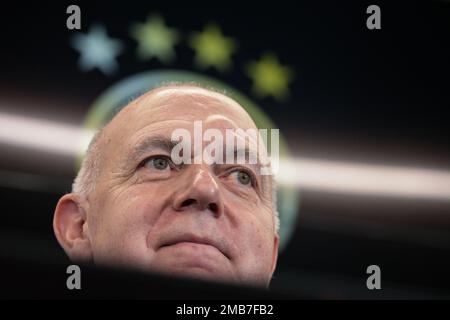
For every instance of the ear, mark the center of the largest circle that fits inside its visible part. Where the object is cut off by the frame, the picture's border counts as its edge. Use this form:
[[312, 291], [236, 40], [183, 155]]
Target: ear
[[276, 241], [71, 228]]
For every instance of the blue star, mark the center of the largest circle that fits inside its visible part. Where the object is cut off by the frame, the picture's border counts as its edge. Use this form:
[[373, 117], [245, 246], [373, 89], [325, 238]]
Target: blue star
[[97, 50]]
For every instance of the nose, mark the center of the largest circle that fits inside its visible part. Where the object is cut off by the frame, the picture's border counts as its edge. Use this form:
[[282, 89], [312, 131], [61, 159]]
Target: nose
[[199, 192]]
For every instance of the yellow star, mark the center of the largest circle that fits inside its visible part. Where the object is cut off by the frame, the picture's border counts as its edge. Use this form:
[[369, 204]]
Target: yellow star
[[270, 77], [155, 39], [212, 49]]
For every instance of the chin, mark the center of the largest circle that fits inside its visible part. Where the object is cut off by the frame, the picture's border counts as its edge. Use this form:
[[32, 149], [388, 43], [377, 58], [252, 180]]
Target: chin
[[198, 273], [195, 272]]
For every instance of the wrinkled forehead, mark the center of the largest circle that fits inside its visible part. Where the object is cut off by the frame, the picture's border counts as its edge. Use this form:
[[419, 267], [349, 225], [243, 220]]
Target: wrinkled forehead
[[161, 111], [172, 105]]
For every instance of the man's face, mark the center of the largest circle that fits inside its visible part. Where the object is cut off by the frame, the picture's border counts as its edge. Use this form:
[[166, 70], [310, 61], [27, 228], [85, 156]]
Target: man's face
[[210, 221]]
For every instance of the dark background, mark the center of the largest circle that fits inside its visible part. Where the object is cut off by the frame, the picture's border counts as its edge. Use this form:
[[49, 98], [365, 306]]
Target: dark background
[[369, 96]]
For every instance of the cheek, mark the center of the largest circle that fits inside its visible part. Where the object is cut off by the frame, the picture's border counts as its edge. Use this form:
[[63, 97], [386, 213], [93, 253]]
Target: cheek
[[258, 239], [255, 255], [249, 211], [124, 221], [253, 230]]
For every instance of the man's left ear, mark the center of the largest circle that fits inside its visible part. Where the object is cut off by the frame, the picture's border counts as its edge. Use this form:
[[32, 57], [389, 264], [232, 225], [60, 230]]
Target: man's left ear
[[71, 228], [276, 241]]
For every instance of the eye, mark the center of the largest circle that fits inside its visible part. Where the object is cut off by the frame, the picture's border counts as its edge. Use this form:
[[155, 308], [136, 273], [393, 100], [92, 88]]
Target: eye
[[243, 177], [158, 163]]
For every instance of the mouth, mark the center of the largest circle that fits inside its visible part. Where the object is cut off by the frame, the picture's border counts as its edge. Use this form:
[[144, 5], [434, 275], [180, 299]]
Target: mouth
[[193, 239]]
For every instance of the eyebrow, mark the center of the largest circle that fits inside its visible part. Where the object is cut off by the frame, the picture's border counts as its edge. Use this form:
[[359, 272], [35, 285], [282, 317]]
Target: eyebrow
[[151, 143], [166, 144], [247, 153]]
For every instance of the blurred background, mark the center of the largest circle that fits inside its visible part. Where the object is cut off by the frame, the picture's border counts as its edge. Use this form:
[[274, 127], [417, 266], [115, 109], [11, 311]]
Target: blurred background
[[364, 114]]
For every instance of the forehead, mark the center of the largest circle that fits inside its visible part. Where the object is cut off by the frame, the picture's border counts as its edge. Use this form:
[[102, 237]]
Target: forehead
[[168, 108], [190, 104]]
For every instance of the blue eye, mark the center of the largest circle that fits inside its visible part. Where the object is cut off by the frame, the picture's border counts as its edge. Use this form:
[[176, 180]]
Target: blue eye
[[243, 177], [158, 163]]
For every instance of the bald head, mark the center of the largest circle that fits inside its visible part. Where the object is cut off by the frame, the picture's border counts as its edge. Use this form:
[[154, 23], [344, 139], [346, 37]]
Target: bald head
[[180, 102]]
